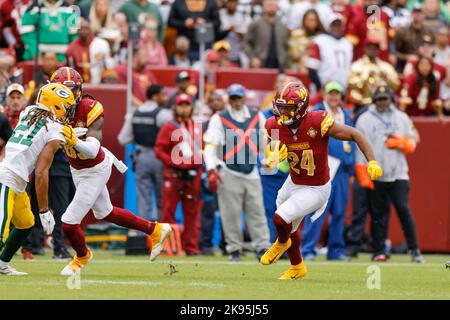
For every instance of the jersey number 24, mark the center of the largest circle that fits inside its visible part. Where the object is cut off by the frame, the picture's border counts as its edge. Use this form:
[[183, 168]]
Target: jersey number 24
[[306, 163]]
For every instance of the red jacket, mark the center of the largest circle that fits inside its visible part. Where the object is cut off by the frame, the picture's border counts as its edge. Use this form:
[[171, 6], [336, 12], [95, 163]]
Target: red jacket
[[172, 145], [410, 97], [8, 20]]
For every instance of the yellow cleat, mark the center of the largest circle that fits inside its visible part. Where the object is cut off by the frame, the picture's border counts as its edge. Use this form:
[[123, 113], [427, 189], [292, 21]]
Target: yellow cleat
[[295, 272], [77, 264], [160, 233], [275, 252]]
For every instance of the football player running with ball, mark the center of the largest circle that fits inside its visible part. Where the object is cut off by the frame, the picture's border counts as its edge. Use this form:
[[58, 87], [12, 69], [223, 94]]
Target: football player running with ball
[[32, 146], [91, 167], [303, 140]]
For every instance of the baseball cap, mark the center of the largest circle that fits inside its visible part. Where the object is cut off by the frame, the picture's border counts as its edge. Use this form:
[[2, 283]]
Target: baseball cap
[[236, 90], [382, 92], [333, 86], [222, 44], [183, 98], [15, 87], [183, 75]]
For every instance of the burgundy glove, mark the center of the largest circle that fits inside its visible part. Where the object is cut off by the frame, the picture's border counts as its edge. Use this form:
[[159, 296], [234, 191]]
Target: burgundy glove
[[213, 180]]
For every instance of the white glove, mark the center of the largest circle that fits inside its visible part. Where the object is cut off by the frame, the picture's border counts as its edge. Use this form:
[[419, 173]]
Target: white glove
[[47, 221]]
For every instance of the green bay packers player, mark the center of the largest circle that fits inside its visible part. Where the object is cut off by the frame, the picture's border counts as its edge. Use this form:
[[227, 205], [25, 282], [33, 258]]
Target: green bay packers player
[[32, 146]]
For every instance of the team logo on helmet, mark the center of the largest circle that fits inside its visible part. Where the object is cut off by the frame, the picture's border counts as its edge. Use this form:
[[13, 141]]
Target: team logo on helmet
[[60, 92]]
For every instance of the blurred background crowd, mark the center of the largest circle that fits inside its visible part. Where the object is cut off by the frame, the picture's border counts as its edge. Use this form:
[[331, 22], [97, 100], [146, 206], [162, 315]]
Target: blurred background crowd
[[353, 54]]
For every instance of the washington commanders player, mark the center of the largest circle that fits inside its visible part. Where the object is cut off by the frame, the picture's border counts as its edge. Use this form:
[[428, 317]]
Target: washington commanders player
[[302, 138], [91, 167]]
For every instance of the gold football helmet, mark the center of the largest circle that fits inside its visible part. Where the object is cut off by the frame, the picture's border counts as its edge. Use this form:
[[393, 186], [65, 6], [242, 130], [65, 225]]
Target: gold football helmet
[[56, 98]]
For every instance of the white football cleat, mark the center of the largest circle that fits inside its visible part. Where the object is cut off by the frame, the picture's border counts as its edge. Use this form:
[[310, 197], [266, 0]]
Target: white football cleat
[[10, 271], [160, 233]]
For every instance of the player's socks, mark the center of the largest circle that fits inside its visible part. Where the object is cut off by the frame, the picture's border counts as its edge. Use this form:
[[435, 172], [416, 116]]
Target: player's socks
[[294, 250], [15, 240], [129, 220], [75, 235], [283, 229]]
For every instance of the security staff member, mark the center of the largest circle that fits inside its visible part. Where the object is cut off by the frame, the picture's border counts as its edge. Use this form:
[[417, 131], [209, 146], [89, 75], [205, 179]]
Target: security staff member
[[240, 187], [391, 134], [141, 127]]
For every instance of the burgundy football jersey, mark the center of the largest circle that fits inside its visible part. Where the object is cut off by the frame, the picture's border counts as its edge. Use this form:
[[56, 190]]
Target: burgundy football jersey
[[307, 147], [88, 111]]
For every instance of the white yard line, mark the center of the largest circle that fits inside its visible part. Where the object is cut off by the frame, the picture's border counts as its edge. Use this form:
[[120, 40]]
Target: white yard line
[[312, 263]]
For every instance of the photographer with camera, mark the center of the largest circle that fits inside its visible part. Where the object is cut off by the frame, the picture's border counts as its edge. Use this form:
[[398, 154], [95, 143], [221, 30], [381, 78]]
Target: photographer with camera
[[178, 146]]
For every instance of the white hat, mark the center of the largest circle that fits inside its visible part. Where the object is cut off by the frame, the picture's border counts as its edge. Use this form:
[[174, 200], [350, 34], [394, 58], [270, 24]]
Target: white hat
[[333, 18], [15, 87]]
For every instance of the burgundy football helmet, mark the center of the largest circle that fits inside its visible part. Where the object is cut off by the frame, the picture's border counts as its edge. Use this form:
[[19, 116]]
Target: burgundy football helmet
[[291, 103]]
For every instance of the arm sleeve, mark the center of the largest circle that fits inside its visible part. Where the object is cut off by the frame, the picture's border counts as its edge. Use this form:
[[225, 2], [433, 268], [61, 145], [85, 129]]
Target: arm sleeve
[[174, 21], [326, 121], [163, 117], [90, 147]]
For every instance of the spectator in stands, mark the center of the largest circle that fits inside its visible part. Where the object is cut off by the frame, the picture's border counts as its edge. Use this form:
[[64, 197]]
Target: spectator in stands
[[299, 9], [433, 15], [342, 154], [216, 104], [49, 63], [57, 28], [427, 49], [240, 189], [154, 50], [366, 72], [141, 127], [223, 49], [361, 28], [11, 12], [300, 39], [179, 148], [120, 48], [141, 79], [266, 40], [267, 102], [136, 10], [420, 91], [183, 83], [185, 18], [100, 16], [180, 57], [89, 55], [7, 62], [398, 15], [210, 65], [5, 133], [442, 48], [409, 38], [330, 55], [15, 103], [233, 27], [391, 134]]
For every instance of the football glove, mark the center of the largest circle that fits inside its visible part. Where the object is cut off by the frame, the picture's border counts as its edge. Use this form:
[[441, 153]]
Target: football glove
[[404, 144], [363, 176], [277, 155], [70, 136], [374, 170], [47, 221]]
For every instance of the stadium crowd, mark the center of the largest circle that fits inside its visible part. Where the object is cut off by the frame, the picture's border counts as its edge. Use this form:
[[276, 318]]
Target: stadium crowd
[[365, 59]]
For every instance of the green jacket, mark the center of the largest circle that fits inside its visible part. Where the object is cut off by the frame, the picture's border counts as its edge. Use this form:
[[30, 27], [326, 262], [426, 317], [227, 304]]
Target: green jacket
[[132, 9], [58, 28]]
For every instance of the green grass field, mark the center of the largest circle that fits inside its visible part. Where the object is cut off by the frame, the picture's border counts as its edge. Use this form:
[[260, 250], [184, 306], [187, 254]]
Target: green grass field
[[116, 276]]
